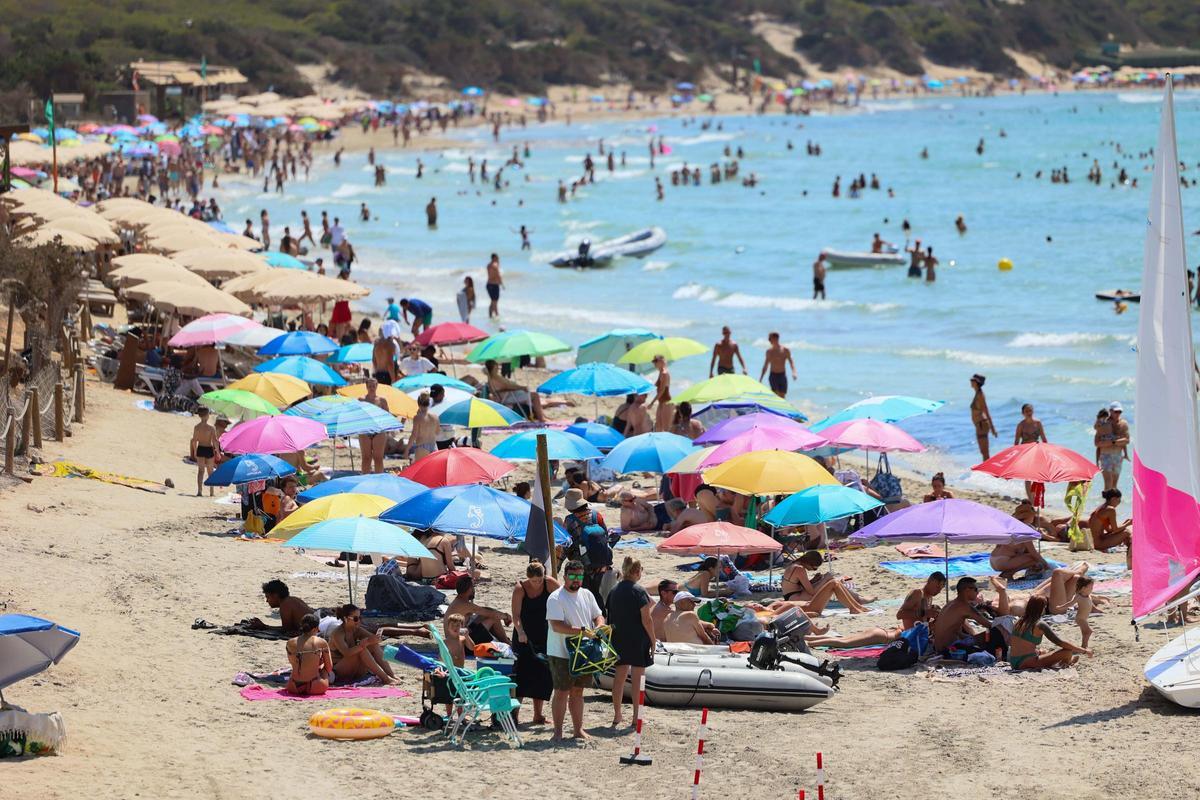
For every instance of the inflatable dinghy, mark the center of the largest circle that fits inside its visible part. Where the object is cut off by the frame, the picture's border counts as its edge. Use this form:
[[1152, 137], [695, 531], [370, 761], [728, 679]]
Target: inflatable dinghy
[[846, 259], [677, 686], [636, 244], [1119, 295]]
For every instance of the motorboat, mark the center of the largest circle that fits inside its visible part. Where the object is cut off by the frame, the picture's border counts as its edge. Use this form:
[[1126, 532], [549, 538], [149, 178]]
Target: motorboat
[[850, 259], [637, 244]]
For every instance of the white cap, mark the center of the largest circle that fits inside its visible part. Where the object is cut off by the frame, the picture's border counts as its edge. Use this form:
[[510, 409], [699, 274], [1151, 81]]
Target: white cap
[[1115, 406], [686, 595]]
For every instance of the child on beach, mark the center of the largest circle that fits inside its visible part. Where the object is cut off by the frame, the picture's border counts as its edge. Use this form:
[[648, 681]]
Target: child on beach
[[457, 639]]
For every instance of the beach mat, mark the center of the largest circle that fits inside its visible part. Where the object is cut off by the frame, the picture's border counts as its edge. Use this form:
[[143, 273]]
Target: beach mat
[[636, 541], [254, 692], [241, 629], [69, 469], [872, 651], [974, 565], [915, 550]]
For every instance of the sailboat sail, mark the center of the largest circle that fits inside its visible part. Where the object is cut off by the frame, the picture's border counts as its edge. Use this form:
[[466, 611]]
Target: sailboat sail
[[1166, 457]]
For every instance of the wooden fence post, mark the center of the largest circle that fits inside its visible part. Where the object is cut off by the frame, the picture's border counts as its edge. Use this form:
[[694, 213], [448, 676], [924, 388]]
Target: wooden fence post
[[10, 446], [37, 417], [79, 399], [60, 423], [25, 428]]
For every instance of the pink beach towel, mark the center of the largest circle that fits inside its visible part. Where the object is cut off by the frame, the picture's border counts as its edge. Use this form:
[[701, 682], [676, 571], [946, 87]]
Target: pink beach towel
[[256, 692], [858, 652]]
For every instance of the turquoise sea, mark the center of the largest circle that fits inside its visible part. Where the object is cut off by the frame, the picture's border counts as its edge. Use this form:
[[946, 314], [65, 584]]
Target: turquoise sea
[[742, 256]]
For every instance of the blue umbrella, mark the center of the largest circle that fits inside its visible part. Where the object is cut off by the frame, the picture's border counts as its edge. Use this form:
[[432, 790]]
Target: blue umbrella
[[461, 413], [351, 353], [222, 226], [278, 259], [248, 468], [560, 446], [473, 91], [345, 417], [298, 343], [610, 346], [685, 86], [393, 487], [359, 535], [597, 379], [605, 437], [472, 510], [820, 504], [884, 408], [649, 452], [306, 369], [411, 383], [29, 645]]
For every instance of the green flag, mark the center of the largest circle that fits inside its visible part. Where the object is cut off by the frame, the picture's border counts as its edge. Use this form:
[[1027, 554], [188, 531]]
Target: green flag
[[50, 118], [203, 68]]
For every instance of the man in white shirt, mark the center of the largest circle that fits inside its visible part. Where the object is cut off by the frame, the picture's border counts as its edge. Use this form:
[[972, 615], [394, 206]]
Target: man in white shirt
[[413, 362], [570, 610], [337, 234]]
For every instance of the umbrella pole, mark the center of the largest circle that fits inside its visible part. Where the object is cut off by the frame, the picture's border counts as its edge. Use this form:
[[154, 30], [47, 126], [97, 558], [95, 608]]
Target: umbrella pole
[[349, 583], [946, 553]]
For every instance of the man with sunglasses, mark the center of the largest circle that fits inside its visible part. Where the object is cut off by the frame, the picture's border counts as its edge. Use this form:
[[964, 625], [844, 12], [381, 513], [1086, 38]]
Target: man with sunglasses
[[570, 610]]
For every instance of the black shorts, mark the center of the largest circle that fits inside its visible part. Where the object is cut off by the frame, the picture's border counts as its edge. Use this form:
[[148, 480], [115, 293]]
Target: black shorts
[[493, 290], [383, 376], [724, 370], [778, 382], [205, 451], [818, 285]]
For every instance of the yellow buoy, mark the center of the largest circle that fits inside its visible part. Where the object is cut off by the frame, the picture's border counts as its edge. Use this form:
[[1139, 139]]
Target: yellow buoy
[[1005, 264]]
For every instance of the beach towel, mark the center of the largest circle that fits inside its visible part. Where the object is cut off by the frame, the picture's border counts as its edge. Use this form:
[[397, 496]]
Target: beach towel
[[637, 541], [915, 550], [243, 629], [69, 469], [974, 565], [254, 692], [873, 651]]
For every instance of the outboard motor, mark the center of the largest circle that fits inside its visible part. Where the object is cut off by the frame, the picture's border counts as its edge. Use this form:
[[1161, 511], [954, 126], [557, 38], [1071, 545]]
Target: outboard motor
[[765, 655]]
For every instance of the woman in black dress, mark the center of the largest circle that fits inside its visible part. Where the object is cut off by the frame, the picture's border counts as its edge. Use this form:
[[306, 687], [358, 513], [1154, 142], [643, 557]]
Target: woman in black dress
[[531, 673], [632, 634]]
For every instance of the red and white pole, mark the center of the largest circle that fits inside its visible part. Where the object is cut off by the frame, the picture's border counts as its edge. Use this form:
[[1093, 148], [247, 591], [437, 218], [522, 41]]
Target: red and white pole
[[820, 778], [699, 753], [637, 757]]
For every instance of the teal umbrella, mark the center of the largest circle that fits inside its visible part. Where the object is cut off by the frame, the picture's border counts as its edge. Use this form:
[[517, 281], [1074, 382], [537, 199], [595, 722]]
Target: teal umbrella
[[306, 369], [609, 347], [820, 503], [411, 383], [512, 345], [358, 535], [351, 354]]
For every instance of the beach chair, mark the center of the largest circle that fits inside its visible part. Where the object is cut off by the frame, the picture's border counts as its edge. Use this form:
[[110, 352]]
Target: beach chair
[[475, 692]]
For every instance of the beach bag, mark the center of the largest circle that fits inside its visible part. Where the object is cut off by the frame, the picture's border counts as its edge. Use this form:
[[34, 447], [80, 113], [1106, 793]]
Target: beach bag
[[898, 655], [254, 524], [885, 483], [596, 550], [1079, 538], [450, 578], [918, 638], [590, 655]]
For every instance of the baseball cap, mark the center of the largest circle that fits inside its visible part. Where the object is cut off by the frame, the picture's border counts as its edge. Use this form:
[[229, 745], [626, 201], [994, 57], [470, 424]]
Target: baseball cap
[[1115, 406], [685, 596]]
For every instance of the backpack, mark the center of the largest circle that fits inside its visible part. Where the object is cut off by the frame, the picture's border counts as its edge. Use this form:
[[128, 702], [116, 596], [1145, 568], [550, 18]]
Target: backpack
[[898, 655]]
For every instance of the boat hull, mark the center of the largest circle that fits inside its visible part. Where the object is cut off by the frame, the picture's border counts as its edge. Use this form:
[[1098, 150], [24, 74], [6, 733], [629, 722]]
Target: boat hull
[[1174, 671], [678, 686], [637, 244], [845, 259]]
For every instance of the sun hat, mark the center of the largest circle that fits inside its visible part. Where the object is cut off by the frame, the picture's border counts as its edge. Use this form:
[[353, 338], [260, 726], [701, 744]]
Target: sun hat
[[575, 500]]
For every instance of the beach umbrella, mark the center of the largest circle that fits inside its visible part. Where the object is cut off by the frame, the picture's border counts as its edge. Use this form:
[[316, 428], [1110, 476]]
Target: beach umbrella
[[420, 383], [721, 388], [298, 343], [306, 369], [717, 537], [609, 347], [560, 446], [450, 333], [356, 418], [274, 387], [451, 397], [473, 91], [29, 645], [358, 534], [512, 345], [210, 329], [276, 258], [757, 439], [384, 484], [476, 413], [334, 506], [691, 462], [456, 466], [144, 273], [685, 86], [281, 434], [247, 469], [468, 510], [727, 429], [212, 260], [649, 452], [357, 353], [1039, 462], [820, 503], [237, 404], [399, 403], [604, 437], [768, 472], [670, 348], [254, 337], [885, 408], [871, 435], [597, 379], [749, 403]]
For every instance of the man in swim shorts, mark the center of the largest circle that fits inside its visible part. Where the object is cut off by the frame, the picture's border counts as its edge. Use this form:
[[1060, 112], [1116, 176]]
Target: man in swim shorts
[[723, 354], [204, 450], [422, 313], [495, 281], [1111, 440], [819, 277], [776, 360]]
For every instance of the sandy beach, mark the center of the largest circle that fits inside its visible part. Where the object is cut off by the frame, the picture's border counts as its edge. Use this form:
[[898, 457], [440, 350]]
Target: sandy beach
[[151, 711]]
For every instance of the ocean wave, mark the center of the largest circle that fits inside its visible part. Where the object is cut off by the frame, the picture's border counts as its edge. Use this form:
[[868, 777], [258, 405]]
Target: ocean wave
[[655, 266], [1067, 339], [1139, 97], [977, 359], [742, 300], [351, 190], [588, 317], [702, 138], [696, 291], [876, 106]]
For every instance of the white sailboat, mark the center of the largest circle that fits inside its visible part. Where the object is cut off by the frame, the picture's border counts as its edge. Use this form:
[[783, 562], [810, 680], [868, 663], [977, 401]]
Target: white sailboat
[[1166, 460]]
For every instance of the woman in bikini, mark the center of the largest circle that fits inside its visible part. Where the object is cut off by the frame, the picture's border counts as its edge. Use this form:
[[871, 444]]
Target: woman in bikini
[[683, 424], [1106, 532], [812, 595], [1029, 431], [312, 663], [981, 416], [373, 445], [356, 653], [1027, 635]]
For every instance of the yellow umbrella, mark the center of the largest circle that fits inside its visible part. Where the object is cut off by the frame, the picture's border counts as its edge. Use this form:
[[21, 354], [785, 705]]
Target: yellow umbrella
[[309, 287], [139, 259], [671, 348], [764, 472], [335, 506], [399, 403], [274, 387]]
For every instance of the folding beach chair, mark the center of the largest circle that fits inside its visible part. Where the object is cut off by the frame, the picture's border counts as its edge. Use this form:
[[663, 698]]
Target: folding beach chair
[[475, 692]]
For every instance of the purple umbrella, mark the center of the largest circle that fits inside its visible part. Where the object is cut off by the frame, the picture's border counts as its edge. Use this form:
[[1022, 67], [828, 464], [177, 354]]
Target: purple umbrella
[[793, 437], [727, 429]]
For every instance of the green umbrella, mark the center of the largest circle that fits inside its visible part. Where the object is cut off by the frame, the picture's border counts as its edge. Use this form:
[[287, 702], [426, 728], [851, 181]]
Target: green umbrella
[[237, 404], [512, 345], [671, 348], [720, 388]]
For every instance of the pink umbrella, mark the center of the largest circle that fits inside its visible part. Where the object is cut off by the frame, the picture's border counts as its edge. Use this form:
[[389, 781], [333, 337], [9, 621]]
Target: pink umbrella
[[717, 537], [734, 426], [871, 435], [451, 333], [796, 438], [266, 435], [168, 147], [211, 329]]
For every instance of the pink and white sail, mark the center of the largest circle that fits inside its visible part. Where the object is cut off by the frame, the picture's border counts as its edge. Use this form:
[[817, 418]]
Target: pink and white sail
[[1166, 456]]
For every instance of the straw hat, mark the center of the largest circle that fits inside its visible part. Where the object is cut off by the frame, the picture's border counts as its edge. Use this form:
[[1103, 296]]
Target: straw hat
[[575, 500]]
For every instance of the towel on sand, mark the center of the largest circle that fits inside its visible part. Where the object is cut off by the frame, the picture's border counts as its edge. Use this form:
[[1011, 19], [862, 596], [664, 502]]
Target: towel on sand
[[974, 564], [256, 692], [872, 651], [243, 629], [918, 550]]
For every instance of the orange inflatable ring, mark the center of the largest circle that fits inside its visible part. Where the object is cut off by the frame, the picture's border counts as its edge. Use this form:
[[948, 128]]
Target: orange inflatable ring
[[351, 723]]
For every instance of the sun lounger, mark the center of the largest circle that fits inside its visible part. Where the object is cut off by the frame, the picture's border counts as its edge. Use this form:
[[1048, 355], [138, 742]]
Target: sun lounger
[[149, 380]]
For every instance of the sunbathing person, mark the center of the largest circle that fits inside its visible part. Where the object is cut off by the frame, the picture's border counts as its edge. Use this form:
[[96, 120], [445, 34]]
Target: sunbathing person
[[814, 593], [1010, 558], [291, 609], [312, 663], [667, 589], [1061, 589], [1023, 652], [426, 570], [863, 639], [1106, 533], [637, 515], [687, 517], [684, 626], [1052, 530], [356, 653], [483, 624], [948, 627], [918, 604], [701, 584]]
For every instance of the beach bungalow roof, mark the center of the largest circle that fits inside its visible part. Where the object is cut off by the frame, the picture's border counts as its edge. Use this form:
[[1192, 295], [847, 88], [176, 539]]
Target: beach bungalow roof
[[182, 73]]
